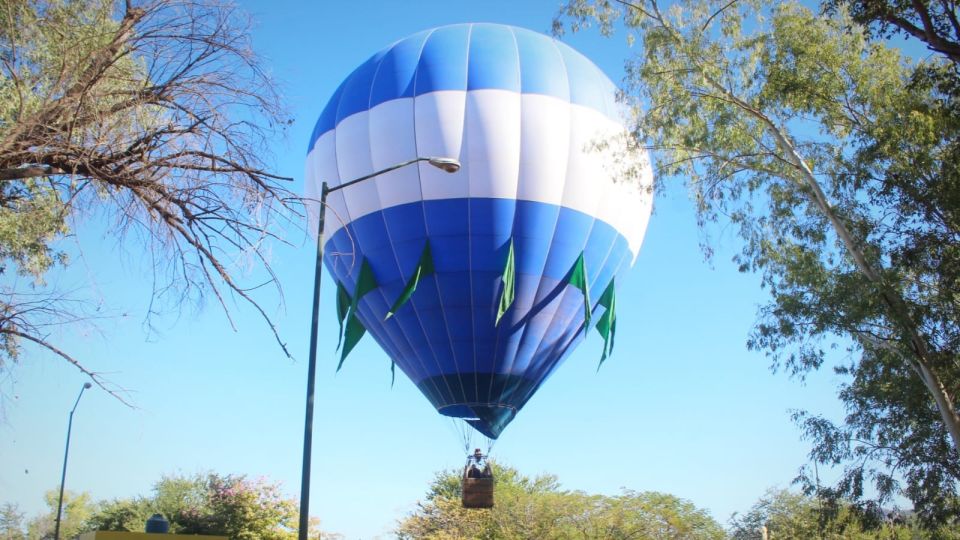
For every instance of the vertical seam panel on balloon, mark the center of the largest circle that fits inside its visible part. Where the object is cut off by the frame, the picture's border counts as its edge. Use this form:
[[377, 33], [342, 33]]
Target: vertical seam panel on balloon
[[466, 109], [557, 316], [496, 345], [536, 294], [423, 210], [493, 363], [413, 298], [343, 220], [399, 337], [436, 274], [348, 219], [473, 329], [466, 92], [546, 368], [380, 330]]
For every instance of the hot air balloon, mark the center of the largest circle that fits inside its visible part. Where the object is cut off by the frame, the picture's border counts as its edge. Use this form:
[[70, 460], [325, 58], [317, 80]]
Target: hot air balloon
[[478, 284]]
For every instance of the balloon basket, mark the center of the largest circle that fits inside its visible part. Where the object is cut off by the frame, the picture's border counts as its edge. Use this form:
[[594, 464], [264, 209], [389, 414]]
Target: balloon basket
[[477, 492]]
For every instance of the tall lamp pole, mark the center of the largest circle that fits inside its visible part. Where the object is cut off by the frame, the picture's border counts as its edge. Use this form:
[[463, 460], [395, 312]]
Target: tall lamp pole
[[66, 452], [449, 165]]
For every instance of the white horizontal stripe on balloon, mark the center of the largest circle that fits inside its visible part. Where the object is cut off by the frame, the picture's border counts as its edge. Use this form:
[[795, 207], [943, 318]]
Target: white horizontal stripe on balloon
[[353, 161], [636, 215], [532, 147], [439, 133], [390, 143], [544, 145], [587, 178], [322, 167], [492, 127]]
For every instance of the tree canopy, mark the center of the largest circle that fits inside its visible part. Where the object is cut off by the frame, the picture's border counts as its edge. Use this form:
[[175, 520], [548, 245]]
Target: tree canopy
[[226, 505], [785, 514], [77, 509], [537, 508], [835, 158], [153, 115], [934, 23], [233, 506]]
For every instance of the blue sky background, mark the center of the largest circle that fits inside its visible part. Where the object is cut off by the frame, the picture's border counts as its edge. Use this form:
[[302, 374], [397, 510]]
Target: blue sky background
[[682, 407]]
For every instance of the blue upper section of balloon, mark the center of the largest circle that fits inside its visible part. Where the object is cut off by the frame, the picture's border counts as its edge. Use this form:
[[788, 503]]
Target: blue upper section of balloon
[[466, 57]]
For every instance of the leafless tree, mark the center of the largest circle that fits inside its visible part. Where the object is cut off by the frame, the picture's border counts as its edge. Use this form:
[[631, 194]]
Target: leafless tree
[[156, 112]]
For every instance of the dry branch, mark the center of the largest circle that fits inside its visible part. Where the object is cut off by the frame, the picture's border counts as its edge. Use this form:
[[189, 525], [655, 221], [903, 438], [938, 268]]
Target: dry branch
[[168, 114]]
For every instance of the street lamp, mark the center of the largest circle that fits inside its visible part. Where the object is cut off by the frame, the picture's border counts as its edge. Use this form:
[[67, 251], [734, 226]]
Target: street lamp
[[66, 452], [445, 164]]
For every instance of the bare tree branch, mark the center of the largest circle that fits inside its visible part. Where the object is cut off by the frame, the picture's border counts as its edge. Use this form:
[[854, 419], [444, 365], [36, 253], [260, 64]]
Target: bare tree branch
[[163, 108]]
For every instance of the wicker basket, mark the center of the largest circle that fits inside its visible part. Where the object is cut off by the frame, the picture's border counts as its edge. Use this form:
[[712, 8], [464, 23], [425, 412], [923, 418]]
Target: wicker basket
[[477, 492]]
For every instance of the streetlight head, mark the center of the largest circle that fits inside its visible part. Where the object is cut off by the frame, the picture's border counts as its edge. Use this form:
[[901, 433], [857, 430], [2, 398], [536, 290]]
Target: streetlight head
[[450, 165], [87, 385]]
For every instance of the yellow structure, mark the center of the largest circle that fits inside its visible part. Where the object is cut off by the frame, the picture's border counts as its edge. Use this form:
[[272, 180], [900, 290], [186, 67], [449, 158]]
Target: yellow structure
[[113, 535]]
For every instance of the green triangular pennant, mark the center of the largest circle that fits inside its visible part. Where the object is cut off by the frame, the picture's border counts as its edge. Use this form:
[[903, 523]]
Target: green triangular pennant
[[355, 331], [343, 308], [509, 279], [366, 282], [607, 325], [578, 278], [424, 268]]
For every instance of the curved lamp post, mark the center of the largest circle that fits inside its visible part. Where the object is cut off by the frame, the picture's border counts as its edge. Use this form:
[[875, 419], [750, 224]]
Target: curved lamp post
[[66, 452], [445, 164]]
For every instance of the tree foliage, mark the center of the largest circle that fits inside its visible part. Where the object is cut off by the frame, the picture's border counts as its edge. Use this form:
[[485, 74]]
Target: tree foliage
[[537, 508], [232, 506], [77, 509], [11, 522], [786, 514], [934, 23], [153, 113], [836, 160]]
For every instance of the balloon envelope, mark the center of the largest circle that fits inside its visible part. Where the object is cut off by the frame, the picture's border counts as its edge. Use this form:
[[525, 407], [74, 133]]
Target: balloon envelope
[[540, 137]]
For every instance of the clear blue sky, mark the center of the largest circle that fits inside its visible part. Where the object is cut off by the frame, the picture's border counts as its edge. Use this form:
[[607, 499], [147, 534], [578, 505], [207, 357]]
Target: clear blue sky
[[682, 407]]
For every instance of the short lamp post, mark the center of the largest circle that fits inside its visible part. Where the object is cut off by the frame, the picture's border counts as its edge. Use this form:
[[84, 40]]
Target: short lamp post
[[449, 165], [66, 452]]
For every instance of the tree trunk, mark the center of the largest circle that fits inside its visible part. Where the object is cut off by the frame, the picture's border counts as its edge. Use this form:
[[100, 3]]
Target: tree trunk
[[944, 403], [898, 311]]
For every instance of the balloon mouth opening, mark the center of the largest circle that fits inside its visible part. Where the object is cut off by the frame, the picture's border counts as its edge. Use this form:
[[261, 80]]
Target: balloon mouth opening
[[488, 419]]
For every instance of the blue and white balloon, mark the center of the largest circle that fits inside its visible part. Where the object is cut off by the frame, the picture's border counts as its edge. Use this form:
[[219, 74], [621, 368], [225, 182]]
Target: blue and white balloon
[[540, 137]]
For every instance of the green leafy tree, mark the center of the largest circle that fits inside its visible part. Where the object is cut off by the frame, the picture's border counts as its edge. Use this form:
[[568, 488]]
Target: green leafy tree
[[837, 164], [785, 514], [536, 508], [232, 506], [934, 23], [11, 522], [240, 509], [77, 509], [121, 515], [153, 115]]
